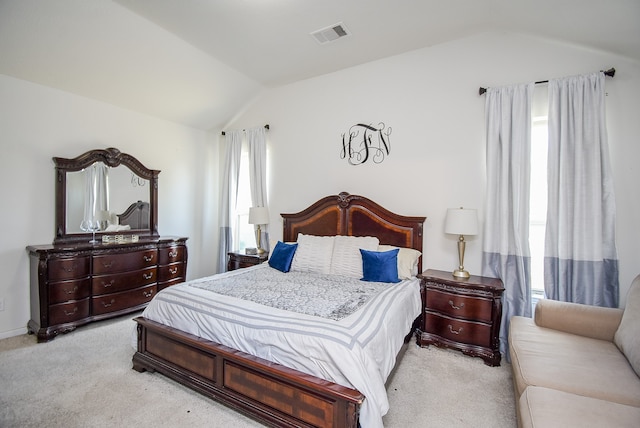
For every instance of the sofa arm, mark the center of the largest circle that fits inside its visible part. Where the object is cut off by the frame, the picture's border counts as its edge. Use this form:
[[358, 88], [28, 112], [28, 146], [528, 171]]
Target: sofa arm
[[584, 320]]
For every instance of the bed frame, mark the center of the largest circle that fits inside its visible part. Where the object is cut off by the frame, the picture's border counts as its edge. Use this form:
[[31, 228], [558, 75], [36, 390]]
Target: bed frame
[[268, 392]]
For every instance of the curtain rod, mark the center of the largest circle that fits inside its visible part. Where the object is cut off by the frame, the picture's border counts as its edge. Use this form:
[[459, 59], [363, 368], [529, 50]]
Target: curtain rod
[[610, 72], [265, 127]]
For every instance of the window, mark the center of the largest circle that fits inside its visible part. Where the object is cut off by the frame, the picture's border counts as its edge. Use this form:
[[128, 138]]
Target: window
[[538, 191], [244, 233]]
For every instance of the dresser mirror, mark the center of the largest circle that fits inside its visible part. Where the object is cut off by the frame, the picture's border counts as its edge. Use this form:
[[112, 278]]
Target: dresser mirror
[[104, 192]]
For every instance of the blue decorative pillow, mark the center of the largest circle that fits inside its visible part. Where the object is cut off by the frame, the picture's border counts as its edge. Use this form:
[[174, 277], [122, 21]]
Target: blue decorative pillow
[[380, 266], [282, 255]]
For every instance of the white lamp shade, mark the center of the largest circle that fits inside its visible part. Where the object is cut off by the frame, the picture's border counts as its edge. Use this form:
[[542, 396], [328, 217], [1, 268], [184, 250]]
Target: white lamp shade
[[258, 215], [461, 221]]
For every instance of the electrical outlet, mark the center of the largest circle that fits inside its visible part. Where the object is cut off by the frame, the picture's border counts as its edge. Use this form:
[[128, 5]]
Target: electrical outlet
[[1, 304]]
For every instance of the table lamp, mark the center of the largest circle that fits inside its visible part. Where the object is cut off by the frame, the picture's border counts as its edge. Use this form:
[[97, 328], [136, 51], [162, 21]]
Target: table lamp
[[460, 221], [259, 216]]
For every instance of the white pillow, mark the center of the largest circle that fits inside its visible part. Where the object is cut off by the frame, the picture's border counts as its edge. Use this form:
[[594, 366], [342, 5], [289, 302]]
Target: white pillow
[[313, 254], [346, 259], [407, 260]]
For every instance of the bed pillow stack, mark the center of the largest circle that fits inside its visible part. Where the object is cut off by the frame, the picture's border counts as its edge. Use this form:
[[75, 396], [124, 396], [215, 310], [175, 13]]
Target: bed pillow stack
[[313, 254], [407, 260], [346, 258], [355, 256]]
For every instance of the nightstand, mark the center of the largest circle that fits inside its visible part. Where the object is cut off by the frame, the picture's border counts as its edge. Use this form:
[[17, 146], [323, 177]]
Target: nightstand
[[240, 260], [462, 314]]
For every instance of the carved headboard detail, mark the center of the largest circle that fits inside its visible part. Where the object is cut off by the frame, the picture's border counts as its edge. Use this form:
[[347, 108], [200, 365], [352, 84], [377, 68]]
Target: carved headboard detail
[[354, 215]]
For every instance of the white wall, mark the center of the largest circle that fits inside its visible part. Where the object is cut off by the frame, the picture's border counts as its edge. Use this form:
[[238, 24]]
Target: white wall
[[39, 123], [430, 99]]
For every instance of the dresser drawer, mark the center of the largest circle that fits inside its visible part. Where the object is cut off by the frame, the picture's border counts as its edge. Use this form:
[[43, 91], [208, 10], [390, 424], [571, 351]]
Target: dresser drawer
[[70, 268], [64, 291], [169, 272], [458, 330], [126, 299], [68, 312], [455, 305], [104, 284], [171, 254], [113, 263], [163, 285]]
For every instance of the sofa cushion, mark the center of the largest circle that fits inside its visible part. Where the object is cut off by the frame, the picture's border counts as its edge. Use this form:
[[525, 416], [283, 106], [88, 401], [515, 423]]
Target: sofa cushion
[[571, 363], [627, 337], [543, 407]]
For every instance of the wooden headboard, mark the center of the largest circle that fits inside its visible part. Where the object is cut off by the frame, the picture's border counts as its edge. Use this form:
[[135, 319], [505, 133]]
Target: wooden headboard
[[354, 215], [136, 216]]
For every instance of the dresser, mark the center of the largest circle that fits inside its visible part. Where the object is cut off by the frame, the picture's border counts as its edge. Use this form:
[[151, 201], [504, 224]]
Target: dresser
[[75, 284], [462, 314], [240, 260]]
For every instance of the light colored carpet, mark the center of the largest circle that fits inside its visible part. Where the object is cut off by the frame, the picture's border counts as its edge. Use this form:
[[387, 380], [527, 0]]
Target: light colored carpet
[[84, 379]]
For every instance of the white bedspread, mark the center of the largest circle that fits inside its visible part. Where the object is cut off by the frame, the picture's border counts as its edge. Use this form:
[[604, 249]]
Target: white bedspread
[[358, 351]]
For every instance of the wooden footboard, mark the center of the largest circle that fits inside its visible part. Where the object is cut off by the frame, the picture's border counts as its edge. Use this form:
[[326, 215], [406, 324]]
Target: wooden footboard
[[268, 392]]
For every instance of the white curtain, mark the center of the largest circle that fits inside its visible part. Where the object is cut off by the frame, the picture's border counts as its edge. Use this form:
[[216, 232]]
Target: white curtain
[[256, 139], [229, 195], [581, 263], [96, 194], [506, 231]]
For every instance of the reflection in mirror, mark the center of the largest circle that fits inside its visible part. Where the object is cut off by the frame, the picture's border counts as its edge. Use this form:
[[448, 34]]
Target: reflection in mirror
[[104, 191], [101, 194]]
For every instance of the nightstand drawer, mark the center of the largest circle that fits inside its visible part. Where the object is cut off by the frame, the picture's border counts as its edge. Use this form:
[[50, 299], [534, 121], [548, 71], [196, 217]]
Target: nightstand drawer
[[457, 330], [455, 305], [239, 260]]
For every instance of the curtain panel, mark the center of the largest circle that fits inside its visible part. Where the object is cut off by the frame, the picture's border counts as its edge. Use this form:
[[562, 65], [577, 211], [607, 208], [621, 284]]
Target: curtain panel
[[506, 231], [96, 195], [256, 139], [581, 263], [229, 196]]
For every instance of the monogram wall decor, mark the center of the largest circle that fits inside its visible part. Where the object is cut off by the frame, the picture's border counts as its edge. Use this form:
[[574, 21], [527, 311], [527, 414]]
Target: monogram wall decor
[[366, 142]]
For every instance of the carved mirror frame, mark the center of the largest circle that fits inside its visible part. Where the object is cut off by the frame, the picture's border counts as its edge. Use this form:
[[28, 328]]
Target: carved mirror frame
[[111, 157]]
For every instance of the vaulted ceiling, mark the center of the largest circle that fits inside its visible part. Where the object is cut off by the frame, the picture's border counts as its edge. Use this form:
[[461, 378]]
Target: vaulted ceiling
[[198, 62]]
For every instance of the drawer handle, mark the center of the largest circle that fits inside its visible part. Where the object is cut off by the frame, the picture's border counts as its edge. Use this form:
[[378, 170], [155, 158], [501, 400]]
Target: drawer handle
[[454, 331], [70, 268], [147, 293], [147, 276], [72, 291], [173, 271], [148, 258], [107, 264], [454, 306], [105, 285], [173, 254], [106, 305], [72, 312]]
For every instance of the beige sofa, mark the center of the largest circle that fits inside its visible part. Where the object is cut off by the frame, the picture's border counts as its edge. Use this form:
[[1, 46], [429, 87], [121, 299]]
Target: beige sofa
[[577, 365]]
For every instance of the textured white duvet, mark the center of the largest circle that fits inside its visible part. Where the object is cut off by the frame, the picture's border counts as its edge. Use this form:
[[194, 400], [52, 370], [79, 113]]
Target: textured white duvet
[[358, 351]]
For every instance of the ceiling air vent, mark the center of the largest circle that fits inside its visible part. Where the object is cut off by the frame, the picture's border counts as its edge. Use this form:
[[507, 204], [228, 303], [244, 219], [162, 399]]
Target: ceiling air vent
[[331, 33]]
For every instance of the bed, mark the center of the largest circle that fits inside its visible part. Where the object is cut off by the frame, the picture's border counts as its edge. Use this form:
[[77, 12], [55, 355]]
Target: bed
[[269, 383]]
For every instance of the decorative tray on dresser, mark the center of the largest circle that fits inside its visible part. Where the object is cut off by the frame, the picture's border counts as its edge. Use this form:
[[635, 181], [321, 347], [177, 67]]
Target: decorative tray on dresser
[[462, 314], [107, 257]]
